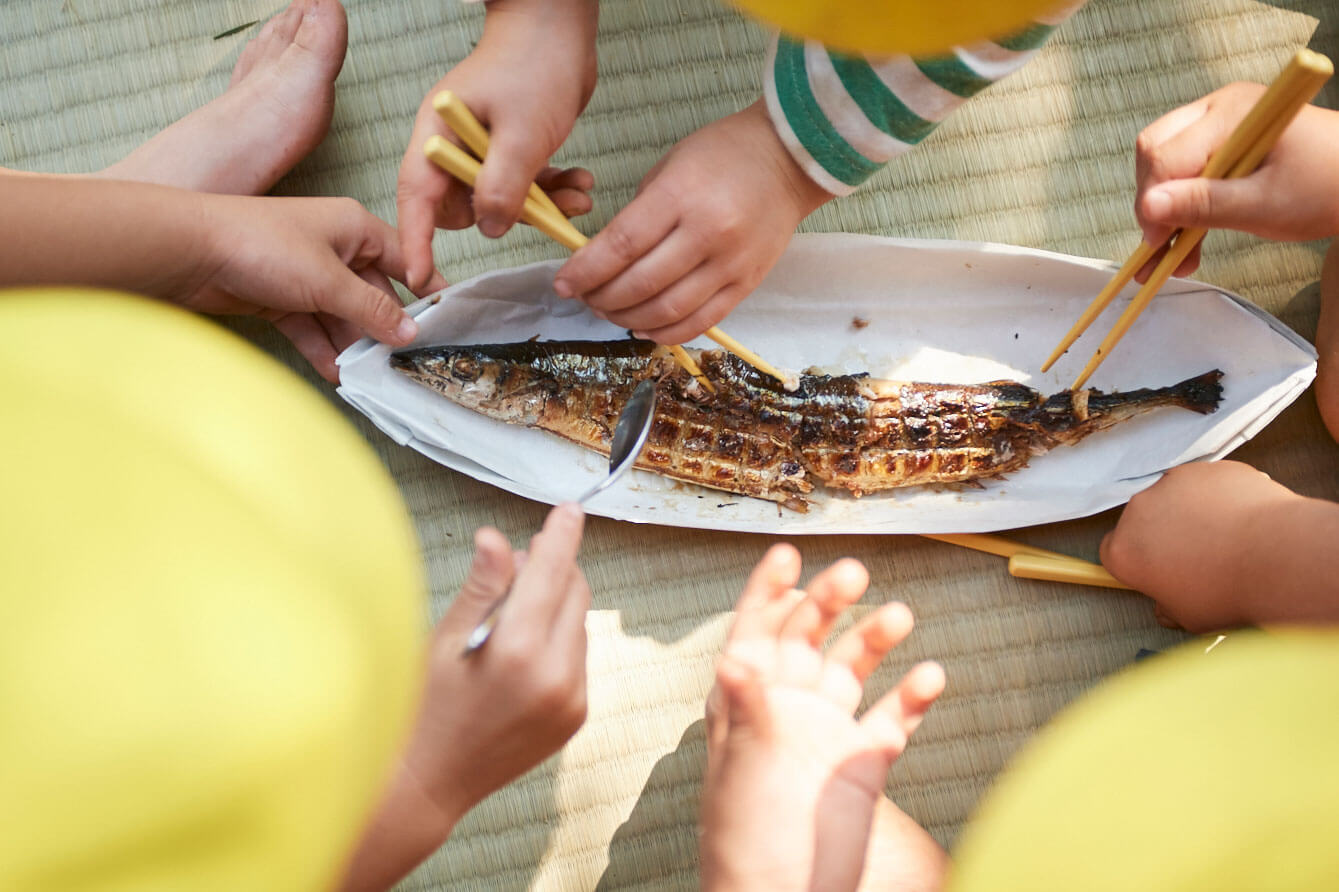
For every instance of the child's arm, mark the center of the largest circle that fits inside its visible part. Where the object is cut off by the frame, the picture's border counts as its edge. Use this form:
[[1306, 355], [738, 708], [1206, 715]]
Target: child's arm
[[713, 217], [1293, 196], [488, 718], [531, 74], [793, 779], [318, 268], [1219, 544]]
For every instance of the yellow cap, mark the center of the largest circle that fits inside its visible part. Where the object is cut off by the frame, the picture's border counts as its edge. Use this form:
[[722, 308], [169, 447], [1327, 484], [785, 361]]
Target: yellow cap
[[211, 614], [1192, 771], [898, 26]]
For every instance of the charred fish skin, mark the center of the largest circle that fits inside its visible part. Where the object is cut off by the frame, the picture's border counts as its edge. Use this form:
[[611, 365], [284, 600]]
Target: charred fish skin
[[576, 389], [518, 382], [751, 437]]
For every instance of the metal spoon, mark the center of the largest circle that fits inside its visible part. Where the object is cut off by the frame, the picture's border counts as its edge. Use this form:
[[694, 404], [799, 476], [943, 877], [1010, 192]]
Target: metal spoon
[[630, 433]]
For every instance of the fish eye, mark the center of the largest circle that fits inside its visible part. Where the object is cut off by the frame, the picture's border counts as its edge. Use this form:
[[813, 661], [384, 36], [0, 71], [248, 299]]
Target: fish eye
[[466, 368]]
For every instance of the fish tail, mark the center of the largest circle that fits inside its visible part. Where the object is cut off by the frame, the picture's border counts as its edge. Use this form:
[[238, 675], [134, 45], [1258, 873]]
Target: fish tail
[[1201, 394]]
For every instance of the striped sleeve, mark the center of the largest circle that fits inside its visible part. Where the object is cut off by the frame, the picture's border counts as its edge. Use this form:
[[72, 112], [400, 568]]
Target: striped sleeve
[[842, 117]]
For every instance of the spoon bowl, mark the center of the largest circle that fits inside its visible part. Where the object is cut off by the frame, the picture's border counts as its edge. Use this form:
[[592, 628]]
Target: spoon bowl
[[630, 434]]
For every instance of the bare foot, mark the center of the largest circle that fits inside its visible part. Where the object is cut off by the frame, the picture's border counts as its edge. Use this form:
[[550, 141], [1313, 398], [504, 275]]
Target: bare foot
[[275, 111]]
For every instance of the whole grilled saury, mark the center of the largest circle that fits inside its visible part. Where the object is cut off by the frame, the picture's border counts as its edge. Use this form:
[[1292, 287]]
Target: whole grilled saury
[[849, 432]]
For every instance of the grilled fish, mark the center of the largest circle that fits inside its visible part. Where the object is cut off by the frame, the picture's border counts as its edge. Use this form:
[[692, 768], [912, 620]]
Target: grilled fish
[[750, 436]]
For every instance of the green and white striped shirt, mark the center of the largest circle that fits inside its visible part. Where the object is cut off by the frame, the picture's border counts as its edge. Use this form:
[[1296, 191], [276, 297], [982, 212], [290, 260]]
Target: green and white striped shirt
[[844, 116]]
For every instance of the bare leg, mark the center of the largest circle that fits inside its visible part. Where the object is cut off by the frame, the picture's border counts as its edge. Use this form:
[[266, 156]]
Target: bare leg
[[275, 111], [1327, 342]]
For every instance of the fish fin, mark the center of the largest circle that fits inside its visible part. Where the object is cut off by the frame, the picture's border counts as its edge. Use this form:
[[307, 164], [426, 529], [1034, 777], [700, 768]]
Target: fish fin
[[1201, 393]]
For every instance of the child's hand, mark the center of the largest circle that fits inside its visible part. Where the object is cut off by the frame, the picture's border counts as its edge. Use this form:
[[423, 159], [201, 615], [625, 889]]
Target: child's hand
[[707, 224], [318, 268], [1189, 542], [492, 716], [793, 780], [489, 717], [1293, 196], [531, 74]]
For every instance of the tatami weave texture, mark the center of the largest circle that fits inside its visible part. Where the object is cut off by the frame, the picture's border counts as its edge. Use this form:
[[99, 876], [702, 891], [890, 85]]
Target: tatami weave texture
[[1043, 159]]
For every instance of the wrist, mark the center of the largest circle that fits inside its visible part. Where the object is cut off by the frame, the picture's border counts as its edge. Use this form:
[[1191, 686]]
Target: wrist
[[804, 194], [549, 19], [1285, 577], [201, 251], [545, 29]]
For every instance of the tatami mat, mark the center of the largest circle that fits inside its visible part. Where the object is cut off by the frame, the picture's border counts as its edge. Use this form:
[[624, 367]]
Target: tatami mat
[[1043, 160]]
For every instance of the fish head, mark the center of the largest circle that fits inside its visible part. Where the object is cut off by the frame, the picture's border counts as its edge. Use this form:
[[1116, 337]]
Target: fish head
[[465, 375]]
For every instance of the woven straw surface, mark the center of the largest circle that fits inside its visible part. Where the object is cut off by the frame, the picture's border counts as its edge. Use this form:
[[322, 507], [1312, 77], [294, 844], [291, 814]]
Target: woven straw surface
[[1043, 159]]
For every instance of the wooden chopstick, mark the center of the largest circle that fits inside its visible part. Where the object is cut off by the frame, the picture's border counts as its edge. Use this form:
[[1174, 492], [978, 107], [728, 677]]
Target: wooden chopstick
[[1296, 85], [1073, 570], [1030, 562], [464, 124], [461, 165]]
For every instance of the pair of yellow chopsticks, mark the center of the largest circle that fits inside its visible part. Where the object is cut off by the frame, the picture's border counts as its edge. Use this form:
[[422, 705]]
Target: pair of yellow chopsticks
[[540, 212], [1298, 83]]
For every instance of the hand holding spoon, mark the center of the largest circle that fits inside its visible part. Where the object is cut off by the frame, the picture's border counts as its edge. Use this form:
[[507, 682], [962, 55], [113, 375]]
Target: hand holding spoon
[[630, 433]]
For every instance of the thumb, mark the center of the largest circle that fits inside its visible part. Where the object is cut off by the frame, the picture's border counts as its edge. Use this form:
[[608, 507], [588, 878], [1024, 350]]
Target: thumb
[[379, 314], [513, 162], [491, 574], [1204, 203], [742, 696]]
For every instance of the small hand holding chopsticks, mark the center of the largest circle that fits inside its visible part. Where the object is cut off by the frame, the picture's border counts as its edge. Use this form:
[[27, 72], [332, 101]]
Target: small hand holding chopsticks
[[540, 212], [1239, 156]]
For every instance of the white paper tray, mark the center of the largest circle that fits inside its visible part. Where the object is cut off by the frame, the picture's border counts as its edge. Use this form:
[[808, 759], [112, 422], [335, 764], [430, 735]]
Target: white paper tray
[[936, 311]]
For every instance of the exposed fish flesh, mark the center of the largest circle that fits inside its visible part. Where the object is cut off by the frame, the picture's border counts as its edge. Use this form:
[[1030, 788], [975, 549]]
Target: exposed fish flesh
[[850, 432]]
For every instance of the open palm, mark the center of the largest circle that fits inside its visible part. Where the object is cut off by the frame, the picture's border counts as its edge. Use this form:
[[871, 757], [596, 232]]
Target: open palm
[[793, 777]]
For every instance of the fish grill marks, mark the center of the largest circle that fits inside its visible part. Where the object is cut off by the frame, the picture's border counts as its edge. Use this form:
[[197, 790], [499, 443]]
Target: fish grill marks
[[864, 435], [752, 437]]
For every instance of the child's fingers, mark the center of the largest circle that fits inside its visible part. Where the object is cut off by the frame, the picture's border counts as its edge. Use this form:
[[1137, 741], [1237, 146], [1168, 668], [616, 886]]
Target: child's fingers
[[551, 179], [1152, 137], [862, 647], [568, 189], [374, 245], [341, 331], [364, 241], [1207, 203], [830, 593], [569, 626], [551, 562], [491, 574], [420, 191], [374, 311], [312, 341], [636, 229], [773, 577], [515, 158], [743, 701], [680, 300], [717, 307], [898, 714], [1185, 152], [572, 202], [659, 268]]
